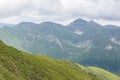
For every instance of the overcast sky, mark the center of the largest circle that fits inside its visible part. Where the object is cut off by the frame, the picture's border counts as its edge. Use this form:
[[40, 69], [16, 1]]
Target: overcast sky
[[60, 11]]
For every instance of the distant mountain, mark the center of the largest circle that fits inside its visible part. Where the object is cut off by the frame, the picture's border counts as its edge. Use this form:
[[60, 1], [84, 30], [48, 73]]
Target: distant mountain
[[18, 65], [4, 24], [85, 42], [102, 45], [112, 27]]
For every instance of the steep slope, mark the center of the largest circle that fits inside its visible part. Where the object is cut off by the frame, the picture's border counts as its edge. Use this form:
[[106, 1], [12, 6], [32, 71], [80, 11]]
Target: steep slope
[[17, 65]]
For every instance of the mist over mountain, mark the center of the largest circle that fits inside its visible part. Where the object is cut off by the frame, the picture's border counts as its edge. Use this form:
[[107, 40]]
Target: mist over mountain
[[85, 42]]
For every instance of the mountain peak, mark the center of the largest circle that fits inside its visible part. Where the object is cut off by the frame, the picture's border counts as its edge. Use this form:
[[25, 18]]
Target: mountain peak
[[78, 24], [80, 21], [23, 24], [48, 23]]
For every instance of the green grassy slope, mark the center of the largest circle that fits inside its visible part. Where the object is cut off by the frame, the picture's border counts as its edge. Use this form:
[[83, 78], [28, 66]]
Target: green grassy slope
[[104, 75], [17, 65], [95, 46], [101, 73]]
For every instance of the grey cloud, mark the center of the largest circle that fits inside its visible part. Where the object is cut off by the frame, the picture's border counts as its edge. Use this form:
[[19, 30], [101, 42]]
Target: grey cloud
[[12, 8], [50, 7], [60, 10], [98, 9]]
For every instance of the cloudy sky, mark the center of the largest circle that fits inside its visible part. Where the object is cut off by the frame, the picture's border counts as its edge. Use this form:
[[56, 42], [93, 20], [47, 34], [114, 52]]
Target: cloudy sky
[[60, 11]]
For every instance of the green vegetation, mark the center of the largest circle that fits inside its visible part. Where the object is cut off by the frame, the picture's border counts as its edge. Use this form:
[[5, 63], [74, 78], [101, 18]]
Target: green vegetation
[[104, 75], [17, 65], [84, 42], [101, 73], [97, 45]]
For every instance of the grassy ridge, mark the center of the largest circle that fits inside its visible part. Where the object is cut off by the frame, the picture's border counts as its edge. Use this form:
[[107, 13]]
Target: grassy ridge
[[17, 65], [101, 73], [104, 75]]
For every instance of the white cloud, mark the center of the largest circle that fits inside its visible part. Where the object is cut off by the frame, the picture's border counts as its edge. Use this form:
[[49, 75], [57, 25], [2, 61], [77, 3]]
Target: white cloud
[[107, 9], [12, 7], [103, 11]]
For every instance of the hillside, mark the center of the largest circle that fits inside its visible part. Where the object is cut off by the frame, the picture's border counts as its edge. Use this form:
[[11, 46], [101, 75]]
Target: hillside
[[104, 75], [85, 42], [18, 65], [100, 73]]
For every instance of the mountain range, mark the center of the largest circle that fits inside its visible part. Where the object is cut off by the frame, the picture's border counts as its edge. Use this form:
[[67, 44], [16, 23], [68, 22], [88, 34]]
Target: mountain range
[[84, 42], [19, 65], [5, 24]]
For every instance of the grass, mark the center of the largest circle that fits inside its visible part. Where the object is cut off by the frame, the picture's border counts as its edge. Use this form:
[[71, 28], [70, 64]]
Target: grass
[[18, 65], [103, 74]]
